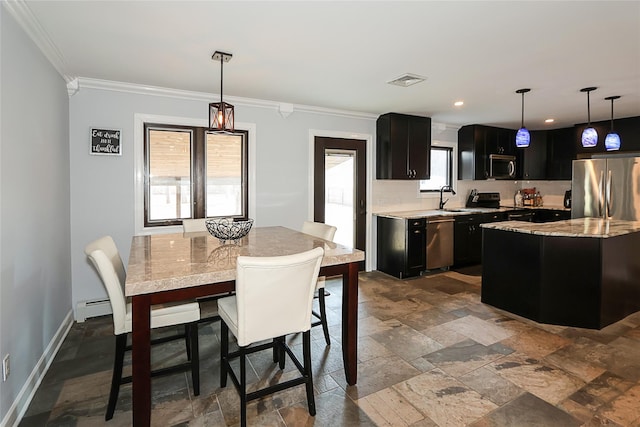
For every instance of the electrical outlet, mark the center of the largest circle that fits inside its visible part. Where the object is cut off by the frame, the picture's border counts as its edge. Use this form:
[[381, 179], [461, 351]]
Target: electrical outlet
[[5, 367]]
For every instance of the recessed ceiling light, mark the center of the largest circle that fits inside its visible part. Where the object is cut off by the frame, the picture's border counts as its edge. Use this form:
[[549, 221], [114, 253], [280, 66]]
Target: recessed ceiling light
[[407, 79], [458, 103], [549, 121]]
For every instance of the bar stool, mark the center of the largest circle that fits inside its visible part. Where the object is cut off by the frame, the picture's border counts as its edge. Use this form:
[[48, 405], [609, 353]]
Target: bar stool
[[273, 299], [104, 255], [326, 232]]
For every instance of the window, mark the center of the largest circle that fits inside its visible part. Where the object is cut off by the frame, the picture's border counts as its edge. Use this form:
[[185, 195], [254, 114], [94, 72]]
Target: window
[[441, 169], [191, 172]]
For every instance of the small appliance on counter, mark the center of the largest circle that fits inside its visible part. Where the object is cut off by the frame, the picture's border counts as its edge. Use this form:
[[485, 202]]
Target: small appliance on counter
[[567, 199], [489, 200]]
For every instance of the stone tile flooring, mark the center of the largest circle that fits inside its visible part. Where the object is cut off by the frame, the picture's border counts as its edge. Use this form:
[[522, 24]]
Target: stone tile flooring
[[430, 354]]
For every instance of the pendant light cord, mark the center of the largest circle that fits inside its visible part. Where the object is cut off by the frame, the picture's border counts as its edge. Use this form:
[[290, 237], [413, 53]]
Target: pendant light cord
[[221, 74], [588, 110], [522, 121], [612, 114]]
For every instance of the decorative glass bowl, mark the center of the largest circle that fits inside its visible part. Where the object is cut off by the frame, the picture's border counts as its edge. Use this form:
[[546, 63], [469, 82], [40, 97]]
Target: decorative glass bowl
[[226, 229]]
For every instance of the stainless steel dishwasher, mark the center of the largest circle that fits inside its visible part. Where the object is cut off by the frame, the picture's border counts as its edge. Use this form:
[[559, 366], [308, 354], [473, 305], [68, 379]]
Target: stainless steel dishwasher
[[439, 242]]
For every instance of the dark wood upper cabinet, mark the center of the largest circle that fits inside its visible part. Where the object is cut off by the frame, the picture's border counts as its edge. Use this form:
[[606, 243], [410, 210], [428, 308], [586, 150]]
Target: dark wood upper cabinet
[[403, 144], [532, 160], [561, 151], [628, 129], [476, 143]]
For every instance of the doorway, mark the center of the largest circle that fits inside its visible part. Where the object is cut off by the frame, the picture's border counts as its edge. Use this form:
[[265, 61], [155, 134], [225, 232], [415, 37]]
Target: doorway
[[340, 188]]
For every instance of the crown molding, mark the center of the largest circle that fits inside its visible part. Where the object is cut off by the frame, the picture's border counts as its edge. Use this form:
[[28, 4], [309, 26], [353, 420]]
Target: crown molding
[[30, 24], [89, 83]]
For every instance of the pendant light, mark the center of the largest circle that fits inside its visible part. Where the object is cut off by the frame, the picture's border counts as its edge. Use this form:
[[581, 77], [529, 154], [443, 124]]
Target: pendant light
[[589, 134], [221, 115], [612, 140], [523, 137]]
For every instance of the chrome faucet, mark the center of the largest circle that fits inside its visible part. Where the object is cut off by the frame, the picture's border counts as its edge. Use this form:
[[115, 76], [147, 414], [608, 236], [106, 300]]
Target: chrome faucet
[[443, 188]]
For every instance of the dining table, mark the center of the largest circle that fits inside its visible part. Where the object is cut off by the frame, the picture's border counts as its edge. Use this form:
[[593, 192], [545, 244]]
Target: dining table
[[165, 268]]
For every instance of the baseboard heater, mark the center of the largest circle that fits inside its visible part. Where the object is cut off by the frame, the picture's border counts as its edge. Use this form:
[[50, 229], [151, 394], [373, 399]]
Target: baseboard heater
[[95, 308]]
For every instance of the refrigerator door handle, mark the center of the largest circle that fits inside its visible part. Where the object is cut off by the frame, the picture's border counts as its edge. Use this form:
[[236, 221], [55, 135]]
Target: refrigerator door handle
[[608, 193], [601, 195]]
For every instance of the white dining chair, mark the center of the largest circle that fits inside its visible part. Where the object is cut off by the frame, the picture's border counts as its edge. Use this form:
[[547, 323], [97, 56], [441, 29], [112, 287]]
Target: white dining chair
[[194, 225], [273, 299], [326, 232], [104, 255]]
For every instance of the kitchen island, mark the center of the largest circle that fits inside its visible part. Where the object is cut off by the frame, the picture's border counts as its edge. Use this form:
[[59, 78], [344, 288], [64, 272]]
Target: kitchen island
[[581, 272]]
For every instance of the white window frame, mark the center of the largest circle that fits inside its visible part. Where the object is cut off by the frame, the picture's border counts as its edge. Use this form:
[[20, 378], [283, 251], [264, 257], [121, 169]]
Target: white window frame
[[138, 142]]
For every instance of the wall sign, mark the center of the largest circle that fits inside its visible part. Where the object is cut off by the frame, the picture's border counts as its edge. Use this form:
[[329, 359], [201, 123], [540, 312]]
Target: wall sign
[[105, 142]]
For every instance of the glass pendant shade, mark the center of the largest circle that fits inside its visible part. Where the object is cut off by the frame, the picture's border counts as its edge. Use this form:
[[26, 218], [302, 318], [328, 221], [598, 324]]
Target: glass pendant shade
[[523, 138], [589, 135], [612, 141]]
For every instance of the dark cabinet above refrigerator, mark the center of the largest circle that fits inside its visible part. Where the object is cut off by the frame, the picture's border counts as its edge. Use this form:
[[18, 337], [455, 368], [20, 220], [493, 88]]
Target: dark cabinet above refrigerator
[[403, 144]]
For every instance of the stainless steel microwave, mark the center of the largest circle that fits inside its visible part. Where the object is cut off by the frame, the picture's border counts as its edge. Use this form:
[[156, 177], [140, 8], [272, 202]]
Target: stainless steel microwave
[[502, 166]]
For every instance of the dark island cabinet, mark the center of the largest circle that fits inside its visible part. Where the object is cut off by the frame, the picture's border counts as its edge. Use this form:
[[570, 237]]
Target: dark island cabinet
[[403, 146], [401, 246]]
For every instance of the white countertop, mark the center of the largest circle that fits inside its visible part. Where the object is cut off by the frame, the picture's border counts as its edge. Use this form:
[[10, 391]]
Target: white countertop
[[579, 227]]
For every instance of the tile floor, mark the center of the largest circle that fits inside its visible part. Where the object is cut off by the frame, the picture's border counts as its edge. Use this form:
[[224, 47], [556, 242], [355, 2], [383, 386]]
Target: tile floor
[[430, 354]]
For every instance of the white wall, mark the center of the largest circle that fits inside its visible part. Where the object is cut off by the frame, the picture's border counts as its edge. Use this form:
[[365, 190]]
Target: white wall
[[35, 282], [102, 187]]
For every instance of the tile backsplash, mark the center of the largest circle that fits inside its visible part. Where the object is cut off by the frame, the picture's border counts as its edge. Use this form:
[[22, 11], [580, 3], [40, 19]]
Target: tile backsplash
[[391, 195]]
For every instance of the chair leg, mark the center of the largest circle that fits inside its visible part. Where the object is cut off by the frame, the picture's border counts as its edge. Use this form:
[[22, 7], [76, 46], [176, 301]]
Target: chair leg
[[323, 316], [195, 357], [281, 352], [276, 354], [243, 389], [224, 353], [121, 345], [306, 351], [187, 342]]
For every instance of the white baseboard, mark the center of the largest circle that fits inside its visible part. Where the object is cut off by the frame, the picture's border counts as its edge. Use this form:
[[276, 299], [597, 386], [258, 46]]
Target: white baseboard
[[95, 308], [21, 403]]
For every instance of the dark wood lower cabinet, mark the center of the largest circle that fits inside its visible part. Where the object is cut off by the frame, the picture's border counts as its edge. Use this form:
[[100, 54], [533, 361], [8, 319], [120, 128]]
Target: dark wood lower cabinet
[[401, 246], [583, 282]]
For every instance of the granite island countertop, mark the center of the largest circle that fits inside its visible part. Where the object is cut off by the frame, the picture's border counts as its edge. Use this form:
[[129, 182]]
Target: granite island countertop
[[578, 227]]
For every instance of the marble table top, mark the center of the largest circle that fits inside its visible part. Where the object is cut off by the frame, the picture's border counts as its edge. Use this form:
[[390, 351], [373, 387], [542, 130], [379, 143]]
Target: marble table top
[[172, 261], [578, 227]]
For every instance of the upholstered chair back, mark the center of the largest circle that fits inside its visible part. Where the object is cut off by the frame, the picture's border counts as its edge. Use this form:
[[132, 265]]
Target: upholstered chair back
[[319, 229], [274, 294]]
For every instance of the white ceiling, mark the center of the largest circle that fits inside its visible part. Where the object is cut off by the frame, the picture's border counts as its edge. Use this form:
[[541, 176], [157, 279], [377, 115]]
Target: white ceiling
[[340, 54]]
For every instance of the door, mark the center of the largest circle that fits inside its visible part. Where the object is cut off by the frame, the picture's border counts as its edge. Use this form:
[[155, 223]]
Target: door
[[340, 188]]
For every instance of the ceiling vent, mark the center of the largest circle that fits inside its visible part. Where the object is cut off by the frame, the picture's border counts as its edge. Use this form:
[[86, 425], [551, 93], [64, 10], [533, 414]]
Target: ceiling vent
[[407, 79]]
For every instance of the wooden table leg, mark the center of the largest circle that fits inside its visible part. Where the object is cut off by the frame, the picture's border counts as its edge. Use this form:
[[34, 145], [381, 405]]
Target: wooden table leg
[[141, 360], [350, 322]]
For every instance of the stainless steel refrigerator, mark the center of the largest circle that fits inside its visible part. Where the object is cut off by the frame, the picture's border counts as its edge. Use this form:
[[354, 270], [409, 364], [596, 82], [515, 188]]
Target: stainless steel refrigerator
[[606, 188]]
